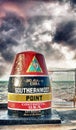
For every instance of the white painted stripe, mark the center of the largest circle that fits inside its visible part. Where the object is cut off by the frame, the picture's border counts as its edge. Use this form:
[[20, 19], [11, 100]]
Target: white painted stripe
[[28, 75], [30, 101], [29, 109], [29, 93]]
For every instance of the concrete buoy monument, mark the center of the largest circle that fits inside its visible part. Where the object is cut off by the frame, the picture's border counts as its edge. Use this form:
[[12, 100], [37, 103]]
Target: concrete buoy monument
[[29, 92], [29, 89]]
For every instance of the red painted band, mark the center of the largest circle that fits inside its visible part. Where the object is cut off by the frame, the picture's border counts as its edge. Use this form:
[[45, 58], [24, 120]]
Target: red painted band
[[29, 106], [23, 64]]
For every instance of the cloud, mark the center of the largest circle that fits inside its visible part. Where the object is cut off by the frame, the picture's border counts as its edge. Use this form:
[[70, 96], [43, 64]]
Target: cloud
[[43, 26], [6, 45], [37, 33], [73, 3], [66, 34], [10, 33]]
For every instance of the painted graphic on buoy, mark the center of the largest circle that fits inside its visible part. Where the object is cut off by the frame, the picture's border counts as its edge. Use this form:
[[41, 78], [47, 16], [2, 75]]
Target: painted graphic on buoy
[[34, 66]]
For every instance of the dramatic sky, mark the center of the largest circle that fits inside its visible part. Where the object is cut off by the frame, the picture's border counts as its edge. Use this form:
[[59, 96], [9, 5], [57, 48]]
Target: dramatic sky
[[46, 26]]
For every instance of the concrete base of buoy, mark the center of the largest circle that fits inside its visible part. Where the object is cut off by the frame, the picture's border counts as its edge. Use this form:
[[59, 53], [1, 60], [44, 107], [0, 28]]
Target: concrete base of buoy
[[5, 119]]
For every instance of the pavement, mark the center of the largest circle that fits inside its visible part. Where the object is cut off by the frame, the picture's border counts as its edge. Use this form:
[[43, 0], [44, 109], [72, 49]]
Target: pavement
[[68, 122]]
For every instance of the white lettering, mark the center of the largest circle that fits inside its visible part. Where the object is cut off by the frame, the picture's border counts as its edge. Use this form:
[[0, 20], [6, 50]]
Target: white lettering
[[32, 90]]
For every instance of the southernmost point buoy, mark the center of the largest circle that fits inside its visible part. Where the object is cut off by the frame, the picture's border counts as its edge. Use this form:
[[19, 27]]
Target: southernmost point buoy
[[29, 89], [29, 92]]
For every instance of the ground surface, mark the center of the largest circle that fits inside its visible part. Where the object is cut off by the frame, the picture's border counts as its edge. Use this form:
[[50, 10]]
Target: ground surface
[[68, 117]]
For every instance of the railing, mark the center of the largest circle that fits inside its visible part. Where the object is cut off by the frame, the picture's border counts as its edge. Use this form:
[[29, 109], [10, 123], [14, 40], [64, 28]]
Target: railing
[[63, 84]]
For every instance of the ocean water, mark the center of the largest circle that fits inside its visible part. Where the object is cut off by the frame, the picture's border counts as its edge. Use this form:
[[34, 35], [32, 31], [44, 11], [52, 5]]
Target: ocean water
[[3, 91], [62, 93]]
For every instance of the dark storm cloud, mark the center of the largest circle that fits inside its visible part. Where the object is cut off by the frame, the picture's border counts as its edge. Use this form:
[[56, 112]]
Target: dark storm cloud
[[66, 34], [6, 44], [13, 24], [11, 30], [73, 3]]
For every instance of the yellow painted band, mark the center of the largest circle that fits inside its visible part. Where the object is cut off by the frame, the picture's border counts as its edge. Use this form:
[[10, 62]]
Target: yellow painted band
[[30, 97]]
